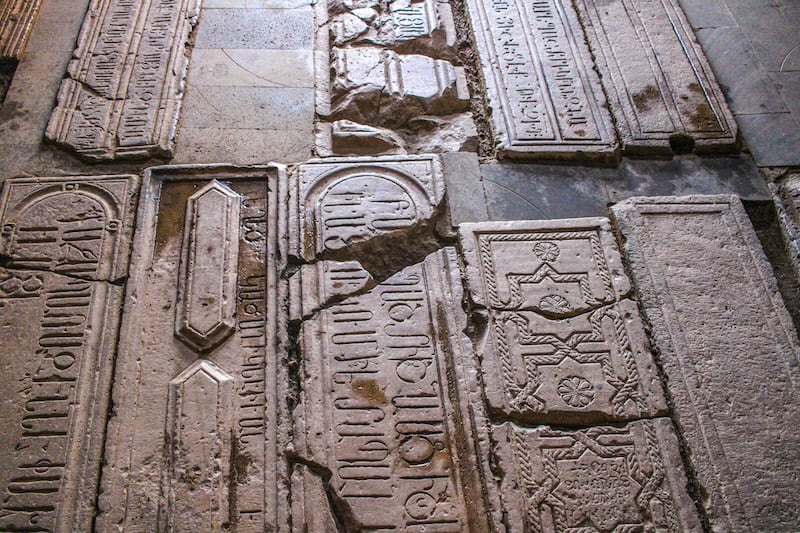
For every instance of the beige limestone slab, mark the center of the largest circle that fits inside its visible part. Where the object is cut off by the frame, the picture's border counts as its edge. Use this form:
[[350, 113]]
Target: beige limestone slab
[[123, 89], [63, 240], [339, 202], [659, 83], [728, 349], [564, 342], [195, 439], [546, 99], [379, 419], [16, 20], [222, 67], [620, 478]]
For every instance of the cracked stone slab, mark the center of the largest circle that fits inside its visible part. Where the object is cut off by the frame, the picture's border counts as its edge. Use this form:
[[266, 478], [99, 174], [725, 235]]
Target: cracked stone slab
[[341, 202], [195, 440], [379, 421], [16, 21], [63, 239], [728, 349], [317, 285], [565, 343], [545, 97], [621, 478], [379, 87], [124, 85], [660, 85]]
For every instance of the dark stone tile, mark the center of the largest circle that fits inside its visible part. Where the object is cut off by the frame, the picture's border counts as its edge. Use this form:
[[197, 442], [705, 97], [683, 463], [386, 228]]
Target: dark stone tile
[[773, 138]]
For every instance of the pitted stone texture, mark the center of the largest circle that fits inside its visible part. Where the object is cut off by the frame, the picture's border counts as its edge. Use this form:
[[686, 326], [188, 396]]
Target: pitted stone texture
[[545, 97], [337, 203], [404, 26], [197, 441], [728, 349], [123, 92], [345, 137], [377, 415], [564, 344], [16, 20], [660, 84], [787, 198], [379, 87], [58, 332], [623, 478]]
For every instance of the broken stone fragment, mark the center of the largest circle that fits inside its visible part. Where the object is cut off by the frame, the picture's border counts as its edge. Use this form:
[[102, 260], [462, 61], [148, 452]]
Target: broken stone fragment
[[433, 134], [345, 137], [382, 88], [320, 284]]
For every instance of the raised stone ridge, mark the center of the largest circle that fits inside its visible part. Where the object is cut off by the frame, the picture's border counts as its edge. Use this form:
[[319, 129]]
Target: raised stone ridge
[[124, 87], [16, 22], [728, 349]]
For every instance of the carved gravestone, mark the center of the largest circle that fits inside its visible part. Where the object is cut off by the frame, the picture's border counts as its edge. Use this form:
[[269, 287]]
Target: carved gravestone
[[195, 441], [728, 349], [64, 247], [124, 86], [545, 97]]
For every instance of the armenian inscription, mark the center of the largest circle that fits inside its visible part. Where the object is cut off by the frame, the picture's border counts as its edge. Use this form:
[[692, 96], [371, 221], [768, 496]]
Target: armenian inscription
[[565, 342], [124, 87], [198, 424], [626, 478], [729, 351], [376, 405], [62, 240], [545, 96], [338, 202], [659, 82]]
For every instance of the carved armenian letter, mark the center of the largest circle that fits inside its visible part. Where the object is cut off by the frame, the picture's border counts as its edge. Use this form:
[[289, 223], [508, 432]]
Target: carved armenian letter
[[64, 243], [381, 438], [16, 21], [729, 351], [660, 84], [195, 441], [565, 341], [123, 91], [545, 97]]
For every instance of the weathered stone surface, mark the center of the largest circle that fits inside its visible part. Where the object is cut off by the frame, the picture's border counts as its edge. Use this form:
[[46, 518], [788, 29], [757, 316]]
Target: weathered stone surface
[[331, 280], [379, 421], [546, 99], [123, 92], [622, 478], [728, 349], [564, 342], [193, 442], [337, 203], [16, 21], [62, 239], [345, 137], [379, 87], [659, 83], [787, 198]]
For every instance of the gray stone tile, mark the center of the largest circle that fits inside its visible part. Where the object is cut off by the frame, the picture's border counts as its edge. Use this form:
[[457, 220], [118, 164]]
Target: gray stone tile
[[788, 84], [465, 195], [57, 26], [256, 28], [707, 13], [773, 138], [739, 71], [771, 29], [242, 146], [248, 108], [220, 67]]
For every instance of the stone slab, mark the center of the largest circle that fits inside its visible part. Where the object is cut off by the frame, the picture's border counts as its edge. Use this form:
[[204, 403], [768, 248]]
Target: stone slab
[[622, 478], [63, 239], [379, 418], [545, 97], [340, 202], [123, 89], [564, 344], [787, 200], [465, 198], [16, 20], [222, 67], [196, 441], [661, 88], [261, 29], [728, 349]]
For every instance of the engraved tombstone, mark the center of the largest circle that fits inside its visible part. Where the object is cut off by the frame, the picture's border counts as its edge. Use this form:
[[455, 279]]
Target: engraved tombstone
[[195, 441], [64, 247]]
